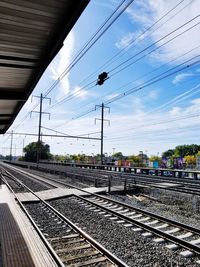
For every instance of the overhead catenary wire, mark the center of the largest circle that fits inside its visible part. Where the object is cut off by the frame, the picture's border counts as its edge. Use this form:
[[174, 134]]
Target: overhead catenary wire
[[90, 44], [156, 42], [146, 74], [149, 82], [55, 131], [71, 95], [138, 38], [123, 5], [143, 56], [156, 79], [155, 132]]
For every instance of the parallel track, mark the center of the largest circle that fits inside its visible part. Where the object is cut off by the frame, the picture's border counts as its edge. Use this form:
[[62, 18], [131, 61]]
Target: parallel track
[[177, 235], [187, 186], [68, 244]]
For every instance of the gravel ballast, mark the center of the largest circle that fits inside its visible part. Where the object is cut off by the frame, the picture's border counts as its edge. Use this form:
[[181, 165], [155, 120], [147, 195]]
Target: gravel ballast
[[179, 207], [128, 245]]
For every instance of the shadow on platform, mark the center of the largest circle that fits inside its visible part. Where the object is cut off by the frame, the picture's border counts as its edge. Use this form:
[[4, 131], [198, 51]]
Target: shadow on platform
[[13, 248]]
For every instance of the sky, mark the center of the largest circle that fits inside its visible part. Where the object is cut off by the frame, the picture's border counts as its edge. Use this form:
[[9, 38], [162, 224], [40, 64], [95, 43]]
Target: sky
[[151, 53]]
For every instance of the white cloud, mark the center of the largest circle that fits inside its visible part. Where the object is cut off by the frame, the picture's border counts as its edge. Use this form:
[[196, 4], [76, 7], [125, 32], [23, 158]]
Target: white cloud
[[108, 97], [153, 94], [186, 41], [196, 102], [81, 93], [181, 77], [59, 64], [125, 41], [129, 39], [140, 12], [148, 12]]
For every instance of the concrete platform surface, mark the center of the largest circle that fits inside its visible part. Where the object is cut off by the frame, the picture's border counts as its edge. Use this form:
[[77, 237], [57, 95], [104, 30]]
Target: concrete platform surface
[[58, 192], [20, 245], [167, 185]]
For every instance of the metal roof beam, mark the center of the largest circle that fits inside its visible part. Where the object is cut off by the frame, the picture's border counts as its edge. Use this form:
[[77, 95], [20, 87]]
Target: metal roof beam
[[6, 115], [5, 122], [18, 66], [12, 95], [20, 59]]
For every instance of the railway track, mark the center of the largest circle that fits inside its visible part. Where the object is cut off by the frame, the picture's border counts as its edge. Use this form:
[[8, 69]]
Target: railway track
[[68, 244], [34, 184], [102, 178], [176, 235]]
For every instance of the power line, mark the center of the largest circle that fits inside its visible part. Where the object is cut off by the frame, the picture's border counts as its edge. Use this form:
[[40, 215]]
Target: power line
[[113, 58], [149, 82], [143, 56], [69, 134], [63, 100], [155, 132], [154, 43], [89, 46], [79, 55], [156, 79], [148, 73]]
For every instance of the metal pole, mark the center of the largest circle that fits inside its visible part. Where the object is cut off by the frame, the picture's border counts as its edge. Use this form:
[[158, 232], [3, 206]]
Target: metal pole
[[39, 130], [23, 148], [11, 143], [102, 120]]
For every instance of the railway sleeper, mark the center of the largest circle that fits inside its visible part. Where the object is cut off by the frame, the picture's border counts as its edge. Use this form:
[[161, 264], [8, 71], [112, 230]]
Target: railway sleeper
[[84, 256]]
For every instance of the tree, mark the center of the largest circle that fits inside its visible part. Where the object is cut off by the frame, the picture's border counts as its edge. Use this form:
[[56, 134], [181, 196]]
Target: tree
[[136, 160], [182, 151], [31, 152], [169, 153], [154, 158], [118, 155], [190, 160], [186, 150]]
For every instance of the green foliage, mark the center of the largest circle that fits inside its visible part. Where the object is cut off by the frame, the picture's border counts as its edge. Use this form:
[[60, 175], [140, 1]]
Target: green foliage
[[118, 155], [21, 158], [31, 152], [182, 151], [135, 159], [169, 153], [190, 160], [154, 158]]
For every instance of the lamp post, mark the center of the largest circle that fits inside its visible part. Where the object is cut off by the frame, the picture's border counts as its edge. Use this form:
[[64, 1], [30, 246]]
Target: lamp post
[[141, 157], [106, 157], [92, 158]]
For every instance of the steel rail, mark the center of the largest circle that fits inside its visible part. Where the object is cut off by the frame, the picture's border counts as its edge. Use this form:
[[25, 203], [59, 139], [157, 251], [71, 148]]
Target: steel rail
[[161, 218], [169, 237], [93, 242], [46, 243], [153, 215]]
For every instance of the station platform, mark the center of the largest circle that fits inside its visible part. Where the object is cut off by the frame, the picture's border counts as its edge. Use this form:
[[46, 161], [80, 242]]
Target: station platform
[[166, 185], [20, 246], [58, 193]]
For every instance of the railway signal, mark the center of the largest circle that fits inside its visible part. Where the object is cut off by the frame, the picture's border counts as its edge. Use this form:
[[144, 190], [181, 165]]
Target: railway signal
[[102, 77]]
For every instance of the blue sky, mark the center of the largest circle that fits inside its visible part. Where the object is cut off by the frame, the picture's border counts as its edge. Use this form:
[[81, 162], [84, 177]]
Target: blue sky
[[155, 117]]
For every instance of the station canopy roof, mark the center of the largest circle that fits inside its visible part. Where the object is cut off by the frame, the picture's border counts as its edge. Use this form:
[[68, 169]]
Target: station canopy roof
[[31, 34]]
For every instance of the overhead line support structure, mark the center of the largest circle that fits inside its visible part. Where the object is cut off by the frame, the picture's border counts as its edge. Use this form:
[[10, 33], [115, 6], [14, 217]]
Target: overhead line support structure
[[102, 106], [11, 144], [40, 122], [63, 136]]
